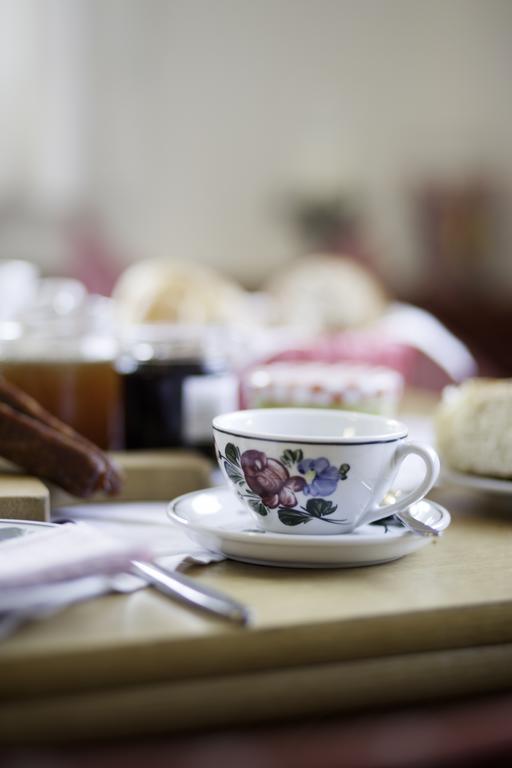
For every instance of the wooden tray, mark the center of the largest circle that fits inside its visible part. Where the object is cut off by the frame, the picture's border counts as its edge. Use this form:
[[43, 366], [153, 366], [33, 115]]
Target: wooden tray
[[148, 476], [436, 623]]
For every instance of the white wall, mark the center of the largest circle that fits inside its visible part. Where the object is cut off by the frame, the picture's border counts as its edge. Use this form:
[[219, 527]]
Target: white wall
[[200, 115]]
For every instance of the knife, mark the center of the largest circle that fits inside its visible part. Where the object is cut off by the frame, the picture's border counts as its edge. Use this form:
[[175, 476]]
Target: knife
[[185, 589]]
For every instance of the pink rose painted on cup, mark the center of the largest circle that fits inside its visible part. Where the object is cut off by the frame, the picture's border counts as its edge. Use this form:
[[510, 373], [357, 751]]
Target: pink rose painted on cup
[[270, 479]]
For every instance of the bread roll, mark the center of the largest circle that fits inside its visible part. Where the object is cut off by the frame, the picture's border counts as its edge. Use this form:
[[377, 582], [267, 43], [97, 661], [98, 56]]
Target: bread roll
[[159, 291], [326, 292], [474, 427]]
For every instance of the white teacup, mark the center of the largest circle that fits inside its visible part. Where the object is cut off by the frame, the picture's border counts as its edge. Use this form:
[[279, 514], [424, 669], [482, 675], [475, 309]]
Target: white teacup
[[315, 471]]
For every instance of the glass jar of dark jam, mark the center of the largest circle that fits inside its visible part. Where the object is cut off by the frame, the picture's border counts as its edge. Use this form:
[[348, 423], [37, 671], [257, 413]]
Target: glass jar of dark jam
[[174, 380]]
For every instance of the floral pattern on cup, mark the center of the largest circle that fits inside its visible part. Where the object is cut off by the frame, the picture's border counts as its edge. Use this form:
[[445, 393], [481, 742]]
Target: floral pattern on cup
[[270, 480], [321, 476], [268, 484]]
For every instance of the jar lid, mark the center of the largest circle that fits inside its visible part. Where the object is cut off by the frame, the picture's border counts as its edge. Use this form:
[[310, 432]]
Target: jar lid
[[326, 376], [63, 324], [173, 342], [347, 385]]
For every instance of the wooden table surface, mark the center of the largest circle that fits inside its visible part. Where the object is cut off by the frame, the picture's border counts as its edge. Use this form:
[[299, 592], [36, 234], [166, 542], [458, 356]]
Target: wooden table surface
[[436, 624], [465, 734]]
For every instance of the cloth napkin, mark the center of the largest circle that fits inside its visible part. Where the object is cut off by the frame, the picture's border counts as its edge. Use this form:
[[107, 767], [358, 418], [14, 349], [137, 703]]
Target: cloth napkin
[[144, 524], [48, 570], [65, 552]]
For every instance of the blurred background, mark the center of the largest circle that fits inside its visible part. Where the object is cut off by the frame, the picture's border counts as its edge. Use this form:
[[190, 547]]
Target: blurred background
[[241, 136]]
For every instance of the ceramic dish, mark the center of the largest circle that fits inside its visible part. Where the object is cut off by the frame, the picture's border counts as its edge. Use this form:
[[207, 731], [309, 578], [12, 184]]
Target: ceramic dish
[[477, 482], [13, 529], [215, 519]]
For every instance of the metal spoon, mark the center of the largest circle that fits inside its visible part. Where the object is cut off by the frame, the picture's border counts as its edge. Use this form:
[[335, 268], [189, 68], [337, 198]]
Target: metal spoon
[[186, 590], [415, 525], [408, 520]]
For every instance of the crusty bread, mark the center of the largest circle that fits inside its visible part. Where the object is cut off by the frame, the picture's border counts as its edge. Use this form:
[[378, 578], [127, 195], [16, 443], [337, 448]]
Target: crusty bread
[[325, 292], [158, 291], [474, 427]]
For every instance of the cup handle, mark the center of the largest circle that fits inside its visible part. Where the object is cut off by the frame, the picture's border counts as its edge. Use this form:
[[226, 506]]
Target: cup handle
[[432, 465]]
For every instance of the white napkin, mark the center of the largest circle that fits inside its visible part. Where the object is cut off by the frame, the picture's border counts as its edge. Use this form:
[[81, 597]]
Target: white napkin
[[142, 523], [44, 572], [65, 552]]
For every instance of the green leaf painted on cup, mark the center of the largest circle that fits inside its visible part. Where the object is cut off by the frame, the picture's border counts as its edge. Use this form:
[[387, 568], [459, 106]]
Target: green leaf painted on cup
[[320, 508], [292, 516], [234, 474], [344, 470], [258, 507], [387, 522], [232, 454], [289, 457]]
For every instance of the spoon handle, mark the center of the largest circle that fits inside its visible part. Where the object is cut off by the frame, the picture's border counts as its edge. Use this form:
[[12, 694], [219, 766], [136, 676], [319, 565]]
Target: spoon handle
[[415, 525], [187, 590]]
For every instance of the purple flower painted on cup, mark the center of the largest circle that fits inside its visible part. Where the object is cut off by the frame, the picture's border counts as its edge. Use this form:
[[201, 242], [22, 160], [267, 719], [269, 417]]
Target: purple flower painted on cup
[[270, 479], [320, 475]]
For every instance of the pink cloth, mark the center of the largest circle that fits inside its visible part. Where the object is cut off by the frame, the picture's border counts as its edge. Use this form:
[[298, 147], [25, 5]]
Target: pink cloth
[[65, 552], [416, 368]]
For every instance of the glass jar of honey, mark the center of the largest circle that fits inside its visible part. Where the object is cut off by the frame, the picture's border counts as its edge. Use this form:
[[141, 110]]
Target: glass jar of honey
[[175, 380], [62, 352]]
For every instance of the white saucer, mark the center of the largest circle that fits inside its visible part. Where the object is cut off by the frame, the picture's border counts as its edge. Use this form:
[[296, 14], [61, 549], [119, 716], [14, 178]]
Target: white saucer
[[215, 519], [477, 482]]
